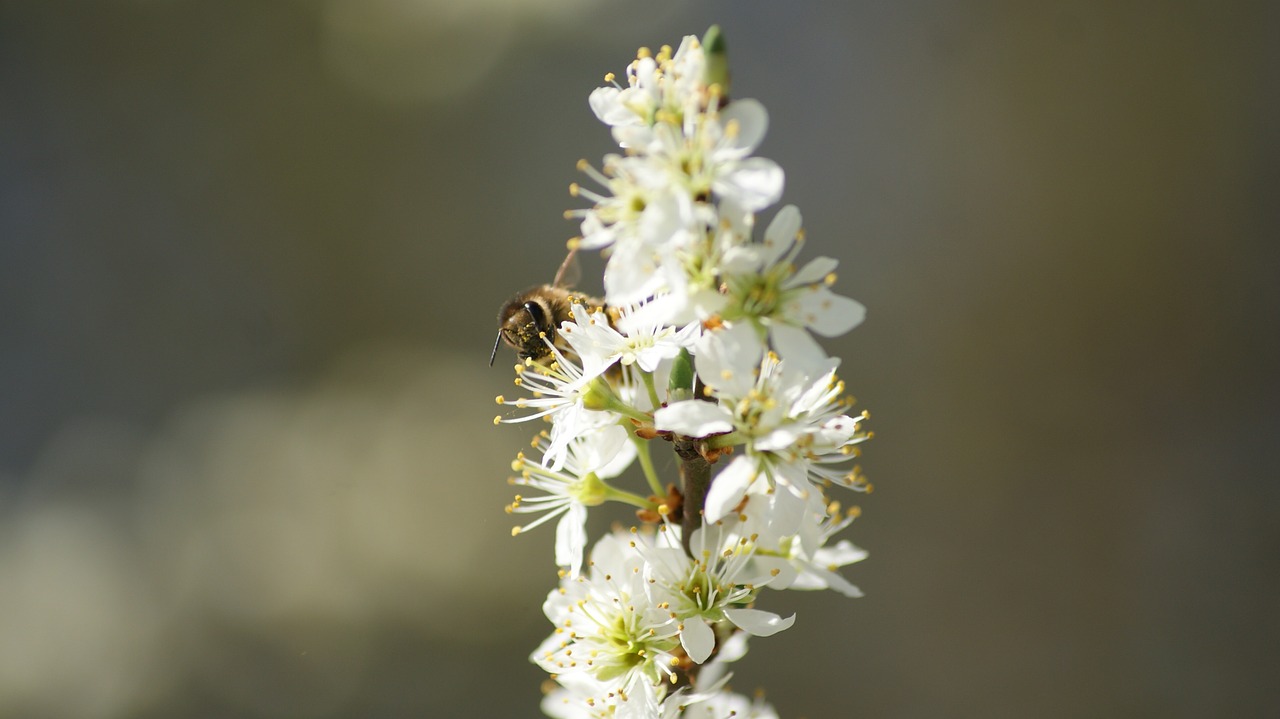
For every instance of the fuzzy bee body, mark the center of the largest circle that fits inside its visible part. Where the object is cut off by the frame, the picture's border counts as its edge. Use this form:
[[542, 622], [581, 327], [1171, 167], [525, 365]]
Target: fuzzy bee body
[[531, 319]]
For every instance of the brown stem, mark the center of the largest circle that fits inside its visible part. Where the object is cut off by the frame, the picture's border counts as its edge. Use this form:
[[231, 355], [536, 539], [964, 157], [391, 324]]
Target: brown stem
[[695, 474]]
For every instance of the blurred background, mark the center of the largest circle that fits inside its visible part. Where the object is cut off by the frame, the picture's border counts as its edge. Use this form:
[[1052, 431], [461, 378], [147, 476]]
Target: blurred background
[[250, 257]]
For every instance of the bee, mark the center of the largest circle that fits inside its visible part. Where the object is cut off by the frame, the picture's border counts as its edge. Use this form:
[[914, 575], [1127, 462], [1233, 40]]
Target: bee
[[531, 319]]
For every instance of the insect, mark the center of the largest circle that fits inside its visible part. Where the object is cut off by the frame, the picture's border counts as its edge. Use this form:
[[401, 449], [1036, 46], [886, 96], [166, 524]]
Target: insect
[[529, 317]]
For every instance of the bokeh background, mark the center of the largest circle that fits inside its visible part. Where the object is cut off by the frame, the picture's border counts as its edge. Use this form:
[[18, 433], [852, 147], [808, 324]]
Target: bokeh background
[[251, 253]]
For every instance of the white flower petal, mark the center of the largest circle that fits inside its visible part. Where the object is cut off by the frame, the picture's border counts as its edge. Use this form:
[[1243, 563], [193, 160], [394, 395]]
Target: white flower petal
[[606, 103], [697, 639], [815, 271], [781, 233], [728, 358], [752, 121], [759, 623], [755, 183], [728, 487], [571, 538], [830, 314], [797, 347], [694, 418]]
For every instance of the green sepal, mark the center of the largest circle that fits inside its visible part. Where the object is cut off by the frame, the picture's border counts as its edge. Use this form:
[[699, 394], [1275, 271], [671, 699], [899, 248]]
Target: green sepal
[[680, 385], [717, 59]]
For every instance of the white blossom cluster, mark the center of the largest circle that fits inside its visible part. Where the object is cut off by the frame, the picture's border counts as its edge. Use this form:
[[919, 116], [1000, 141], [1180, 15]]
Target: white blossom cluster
[[704, 343]]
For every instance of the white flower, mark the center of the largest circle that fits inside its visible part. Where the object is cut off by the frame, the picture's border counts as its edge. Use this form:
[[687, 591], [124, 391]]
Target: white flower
[[713, 588], [611, 642], [569, 491], [784, 303], [789, 420], [670, 84], [802, 560], [644, 344], [559, 391], [710, 154]]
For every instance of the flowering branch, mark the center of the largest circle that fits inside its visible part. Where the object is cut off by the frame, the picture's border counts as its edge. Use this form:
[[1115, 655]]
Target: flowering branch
[[753, 410]]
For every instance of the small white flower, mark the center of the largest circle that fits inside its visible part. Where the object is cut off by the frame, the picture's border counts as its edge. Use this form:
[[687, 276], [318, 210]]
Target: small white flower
[[716, 586], [558, 392], [788, 419], [786, 304], [609, 634], [803, 561], [644, 343], [568, 492]]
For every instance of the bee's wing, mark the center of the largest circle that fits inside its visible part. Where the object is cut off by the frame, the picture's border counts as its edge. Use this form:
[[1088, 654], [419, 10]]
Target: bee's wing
[[570, 271]]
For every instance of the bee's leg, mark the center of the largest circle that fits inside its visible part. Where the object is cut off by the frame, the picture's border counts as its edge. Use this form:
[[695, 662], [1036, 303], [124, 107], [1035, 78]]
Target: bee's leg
[[570, 270]]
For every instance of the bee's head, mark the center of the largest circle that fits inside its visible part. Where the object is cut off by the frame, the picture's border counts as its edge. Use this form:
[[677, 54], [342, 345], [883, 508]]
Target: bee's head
[[524, 322]]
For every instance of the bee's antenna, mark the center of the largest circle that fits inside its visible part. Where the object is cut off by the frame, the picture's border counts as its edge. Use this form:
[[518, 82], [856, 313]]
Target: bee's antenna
[[496, 342]]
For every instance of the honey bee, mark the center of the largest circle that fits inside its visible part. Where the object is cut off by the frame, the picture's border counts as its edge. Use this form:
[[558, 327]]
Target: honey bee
[[536, 313]]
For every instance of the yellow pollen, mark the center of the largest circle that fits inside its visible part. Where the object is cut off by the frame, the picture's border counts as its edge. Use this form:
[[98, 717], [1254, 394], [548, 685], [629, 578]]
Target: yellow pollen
[[515, 531], [830, 279], [497, 420], [573, 243], [499, 399], [574, 189], [608, 77]]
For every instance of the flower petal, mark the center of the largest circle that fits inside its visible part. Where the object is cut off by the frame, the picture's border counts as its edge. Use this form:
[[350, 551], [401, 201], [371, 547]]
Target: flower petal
[[755, 183], [797, 347], [752, 122], [814, 271], [694, 418], [830, 314], [697, 639], [757, 622], [728, 488], [571, 538]]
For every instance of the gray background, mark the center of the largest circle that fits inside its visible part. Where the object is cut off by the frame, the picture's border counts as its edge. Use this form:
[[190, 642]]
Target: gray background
[[250, 254]]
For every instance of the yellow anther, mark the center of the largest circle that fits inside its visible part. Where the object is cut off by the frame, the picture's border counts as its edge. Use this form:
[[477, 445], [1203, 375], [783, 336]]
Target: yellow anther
[[497, 420], [500, 399], [830, 279], [515, 531]]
